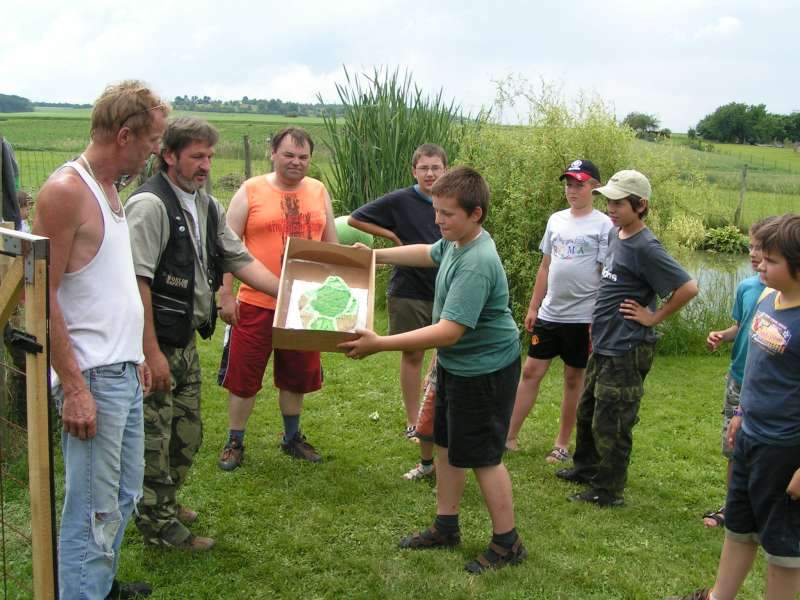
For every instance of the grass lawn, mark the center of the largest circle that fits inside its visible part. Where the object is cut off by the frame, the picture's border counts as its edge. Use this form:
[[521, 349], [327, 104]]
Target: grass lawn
[[286, 528]]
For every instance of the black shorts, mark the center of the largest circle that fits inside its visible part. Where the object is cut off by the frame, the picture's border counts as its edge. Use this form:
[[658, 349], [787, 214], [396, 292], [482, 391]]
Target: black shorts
[[570, 341], [758, 509], [473, 413]]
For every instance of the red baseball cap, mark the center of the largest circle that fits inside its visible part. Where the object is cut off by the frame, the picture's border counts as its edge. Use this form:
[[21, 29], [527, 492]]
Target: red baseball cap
[[582, 170]]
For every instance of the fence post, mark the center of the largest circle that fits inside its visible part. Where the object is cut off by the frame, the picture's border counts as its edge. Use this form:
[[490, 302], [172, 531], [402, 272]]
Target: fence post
[[737, 217], [248, 159]]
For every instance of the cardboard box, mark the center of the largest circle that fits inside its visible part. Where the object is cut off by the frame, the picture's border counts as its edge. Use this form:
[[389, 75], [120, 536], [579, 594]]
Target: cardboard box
[[308, 260]]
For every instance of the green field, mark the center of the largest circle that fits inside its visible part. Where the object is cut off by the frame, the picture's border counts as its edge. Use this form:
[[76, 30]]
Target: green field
[[44, 139], [291, 529]]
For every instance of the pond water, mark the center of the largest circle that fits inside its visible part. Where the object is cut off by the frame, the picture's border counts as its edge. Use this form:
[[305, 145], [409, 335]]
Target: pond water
[[716, 274]]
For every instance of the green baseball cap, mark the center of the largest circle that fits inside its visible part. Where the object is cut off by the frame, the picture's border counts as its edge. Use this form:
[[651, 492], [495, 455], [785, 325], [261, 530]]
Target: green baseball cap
[[624, 183]]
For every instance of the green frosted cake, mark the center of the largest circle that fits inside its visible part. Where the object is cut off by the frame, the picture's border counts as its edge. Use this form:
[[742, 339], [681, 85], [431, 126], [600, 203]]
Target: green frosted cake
[[330, 307]]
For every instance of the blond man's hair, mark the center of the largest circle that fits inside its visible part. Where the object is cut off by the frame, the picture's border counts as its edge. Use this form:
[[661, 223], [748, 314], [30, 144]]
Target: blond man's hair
[[130, 104]]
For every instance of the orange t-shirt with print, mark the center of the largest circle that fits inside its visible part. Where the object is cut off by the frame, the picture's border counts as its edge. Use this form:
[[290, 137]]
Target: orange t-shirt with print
[[273, 216]]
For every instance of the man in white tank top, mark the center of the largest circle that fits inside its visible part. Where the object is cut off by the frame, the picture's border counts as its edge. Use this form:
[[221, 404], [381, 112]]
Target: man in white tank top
[[96, 321]]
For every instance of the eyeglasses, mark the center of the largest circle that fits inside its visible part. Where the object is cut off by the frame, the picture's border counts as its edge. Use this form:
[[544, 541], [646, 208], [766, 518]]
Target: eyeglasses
[[434, 169], [140, 112]]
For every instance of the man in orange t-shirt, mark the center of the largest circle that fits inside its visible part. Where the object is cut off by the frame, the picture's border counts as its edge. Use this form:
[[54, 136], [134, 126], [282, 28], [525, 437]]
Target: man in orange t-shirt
[[265, 212]]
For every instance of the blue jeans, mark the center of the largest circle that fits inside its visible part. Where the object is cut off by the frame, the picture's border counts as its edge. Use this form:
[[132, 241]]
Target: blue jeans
[[103, 482]]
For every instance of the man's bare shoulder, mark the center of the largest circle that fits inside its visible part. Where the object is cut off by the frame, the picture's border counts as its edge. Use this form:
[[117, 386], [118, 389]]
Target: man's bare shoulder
[[64, 191]]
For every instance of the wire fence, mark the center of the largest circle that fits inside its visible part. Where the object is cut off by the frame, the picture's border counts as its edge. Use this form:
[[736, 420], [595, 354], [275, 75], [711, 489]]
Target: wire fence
[[15, 513], [27, 497], [235, 160]]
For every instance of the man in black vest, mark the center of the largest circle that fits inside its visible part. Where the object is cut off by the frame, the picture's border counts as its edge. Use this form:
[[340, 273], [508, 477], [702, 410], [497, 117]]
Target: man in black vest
[[181, 247]]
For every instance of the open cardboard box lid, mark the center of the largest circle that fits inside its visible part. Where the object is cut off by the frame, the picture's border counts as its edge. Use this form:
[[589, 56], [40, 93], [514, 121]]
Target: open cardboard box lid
[[309, 260]]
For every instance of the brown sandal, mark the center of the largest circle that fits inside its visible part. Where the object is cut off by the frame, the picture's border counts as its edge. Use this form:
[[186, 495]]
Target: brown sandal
[[497, 557], [430, 538]]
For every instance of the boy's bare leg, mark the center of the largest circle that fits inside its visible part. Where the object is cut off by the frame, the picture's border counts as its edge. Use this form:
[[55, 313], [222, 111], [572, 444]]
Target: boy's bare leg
[[449, 484], [573, 388], [410, 378], [782, 583], [425, 450], [533, 371], [734, 565], [495, 485]]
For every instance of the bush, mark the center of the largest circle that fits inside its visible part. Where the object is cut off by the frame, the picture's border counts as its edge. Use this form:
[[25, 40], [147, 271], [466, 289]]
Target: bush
[[385, 119], [727, 239], [522, 164], [684, 230]]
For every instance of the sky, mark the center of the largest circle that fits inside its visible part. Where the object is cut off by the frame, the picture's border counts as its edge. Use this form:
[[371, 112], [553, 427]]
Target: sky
[[676, 59]]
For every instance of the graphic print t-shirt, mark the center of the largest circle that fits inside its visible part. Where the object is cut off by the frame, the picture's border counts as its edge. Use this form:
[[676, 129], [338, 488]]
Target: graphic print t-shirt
[[577, 247], [771, 387], [273, 216]]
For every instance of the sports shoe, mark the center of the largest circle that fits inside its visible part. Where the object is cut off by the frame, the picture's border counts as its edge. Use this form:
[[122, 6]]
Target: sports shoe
[[420, 472], [298, 447], [186, 515], [558, 455], [572, 475], [195, 543], [125, 591], [411, 432], [598, 497], [232, 456], [703, 594]]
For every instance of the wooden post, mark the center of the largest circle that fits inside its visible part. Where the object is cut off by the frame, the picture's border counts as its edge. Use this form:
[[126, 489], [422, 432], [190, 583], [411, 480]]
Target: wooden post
[[248, 160], [737, 217], [40, 456]]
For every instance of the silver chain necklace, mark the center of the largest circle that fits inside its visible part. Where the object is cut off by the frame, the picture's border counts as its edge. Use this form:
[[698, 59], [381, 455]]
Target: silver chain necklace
[[118, 214]]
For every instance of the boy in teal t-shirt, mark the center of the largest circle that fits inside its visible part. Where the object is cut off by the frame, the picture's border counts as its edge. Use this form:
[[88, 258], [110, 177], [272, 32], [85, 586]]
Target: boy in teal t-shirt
[[478, 368], [744, 307]]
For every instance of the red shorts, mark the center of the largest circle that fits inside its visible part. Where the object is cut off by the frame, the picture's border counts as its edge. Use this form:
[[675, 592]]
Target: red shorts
[[246, 353]]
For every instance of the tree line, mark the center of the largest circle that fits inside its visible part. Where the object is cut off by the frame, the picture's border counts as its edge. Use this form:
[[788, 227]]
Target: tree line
[[741, 123], [260, 106], [10, 103], [273, 106]]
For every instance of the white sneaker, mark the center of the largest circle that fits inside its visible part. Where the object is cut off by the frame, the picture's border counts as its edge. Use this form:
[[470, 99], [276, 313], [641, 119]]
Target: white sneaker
[[420, 472]]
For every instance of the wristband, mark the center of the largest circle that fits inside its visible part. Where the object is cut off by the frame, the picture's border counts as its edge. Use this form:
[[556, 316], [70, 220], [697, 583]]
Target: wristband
[[738, 412]]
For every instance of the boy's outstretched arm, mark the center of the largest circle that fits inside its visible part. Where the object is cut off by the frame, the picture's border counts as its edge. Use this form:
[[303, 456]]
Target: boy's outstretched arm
[[442, 334], [716, 338], [641, 314], [415, 255]]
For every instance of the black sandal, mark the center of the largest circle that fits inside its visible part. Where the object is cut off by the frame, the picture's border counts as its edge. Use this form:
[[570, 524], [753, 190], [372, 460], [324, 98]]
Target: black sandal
[[497, 557], [430, 538], [718, 516]]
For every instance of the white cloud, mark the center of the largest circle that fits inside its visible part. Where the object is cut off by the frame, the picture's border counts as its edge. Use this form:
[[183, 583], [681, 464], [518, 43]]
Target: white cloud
[[724, 27]]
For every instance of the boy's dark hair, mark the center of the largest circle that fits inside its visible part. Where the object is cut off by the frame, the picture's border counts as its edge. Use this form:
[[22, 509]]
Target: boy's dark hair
[[759, 225], [24, 198], [467, 187], [636, 203], [183, 131], [429, 150], [782, 235], [299, 136]]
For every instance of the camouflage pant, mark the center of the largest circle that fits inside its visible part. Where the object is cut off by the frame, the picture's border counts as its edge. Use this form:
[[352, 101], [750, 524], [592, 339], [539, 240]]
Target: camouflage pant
[[607, 413], [173, 433]]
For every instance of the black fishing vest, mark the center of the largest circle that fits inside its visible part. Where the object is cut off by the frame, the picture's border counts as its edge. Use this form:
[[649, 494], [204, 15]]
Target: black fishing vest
[[172, 288]]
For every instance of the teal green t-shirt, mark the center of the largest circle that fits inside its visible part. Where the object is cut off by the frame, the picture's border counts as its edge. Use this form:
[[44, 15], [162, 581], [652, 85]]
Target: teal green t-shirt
[[472, 290]]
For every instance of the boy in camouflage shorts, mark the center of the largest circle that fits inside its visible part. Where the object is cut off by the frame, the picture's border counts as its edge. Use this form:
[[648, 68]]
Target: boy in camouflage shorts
[[636, 269]]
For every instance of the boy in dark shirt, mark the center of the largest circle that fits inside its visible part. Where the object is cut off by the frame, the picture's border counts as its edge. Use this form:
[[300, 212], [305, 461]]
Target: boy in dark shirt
[[635, 271], [404, 217], [762, 507]]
